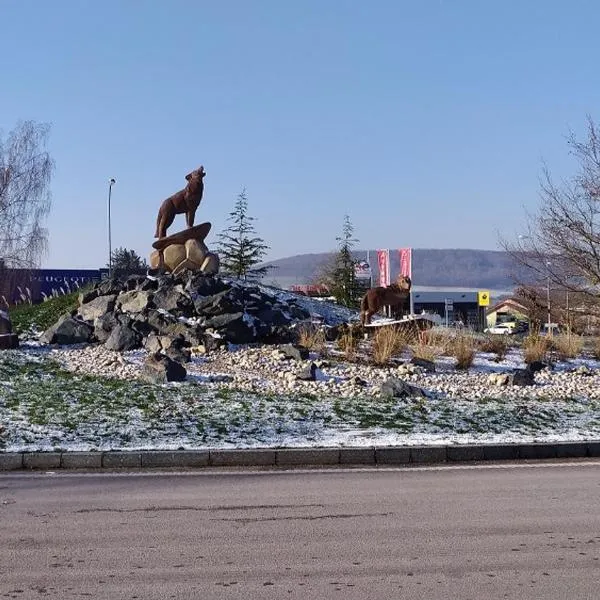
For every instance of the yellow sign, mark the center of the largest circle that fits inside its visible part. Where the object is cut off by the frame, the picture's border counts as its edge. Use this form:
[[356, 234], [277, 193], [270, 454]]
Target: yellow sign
[[483, 298]]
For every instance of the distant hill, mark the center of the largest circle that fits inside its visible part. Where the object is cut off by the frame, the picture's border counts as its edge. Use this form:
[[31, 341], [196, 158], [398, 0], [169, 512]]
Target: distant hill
[[463, 268]]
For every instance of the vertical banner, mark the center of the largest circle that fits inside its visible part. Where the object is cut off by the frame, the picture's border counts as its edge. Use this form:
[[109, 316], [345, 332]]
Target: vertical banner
[[383, 262], [406, 270], [405, 261]]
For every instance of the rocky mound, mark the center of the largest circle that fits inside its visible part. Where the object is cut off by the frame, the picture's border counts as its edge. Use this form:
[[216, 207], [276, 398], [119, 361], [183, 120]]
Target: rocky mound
[[172, 314]]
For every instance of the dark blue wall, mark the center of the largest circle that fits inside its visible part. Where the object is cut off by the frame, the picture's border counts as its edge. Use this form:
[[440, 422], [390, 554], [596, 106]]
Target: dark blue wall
[[42, 282]]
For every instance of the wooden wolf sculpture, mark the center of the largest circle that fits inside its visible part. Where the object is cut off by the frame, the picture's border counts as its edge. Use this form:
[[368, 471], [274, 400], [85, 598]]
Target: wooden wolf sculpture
[[184, 201], [376, 298]]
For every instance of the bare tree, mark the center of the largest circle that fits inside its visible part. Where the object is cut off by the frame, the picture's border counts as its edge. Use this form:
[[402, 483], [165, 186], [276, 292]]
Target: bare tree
[[561, 245], [25, 173]]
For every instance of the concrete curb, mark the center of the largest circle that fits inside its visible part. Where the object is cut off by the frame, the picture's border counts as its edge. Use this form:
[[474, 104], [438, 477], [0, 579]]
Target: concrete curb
[[293, 457]]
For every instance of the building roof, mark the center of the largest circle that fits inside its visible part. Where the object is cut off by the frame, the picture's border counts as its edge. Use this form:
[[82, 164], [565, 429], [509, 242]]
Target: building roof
[[508, 303]]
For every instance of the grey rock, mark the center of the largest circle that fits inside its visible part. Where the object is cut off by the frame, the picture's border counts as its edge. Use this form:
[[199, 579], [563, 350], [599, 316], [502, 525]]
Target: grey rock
[[397, 388], [68, 330], [173, 299], [159, 368], [522, 377], [273, 316], [123, 338], [294, 351], [91, 310], [103, 325], [427, 365], [308, 373], [134, 301]]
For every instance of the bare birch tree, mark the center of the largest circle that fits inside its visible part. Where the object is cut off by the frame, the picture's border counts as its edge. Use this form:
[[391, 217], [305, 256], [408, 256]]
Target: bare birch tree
[[25, 174], [561, 244]]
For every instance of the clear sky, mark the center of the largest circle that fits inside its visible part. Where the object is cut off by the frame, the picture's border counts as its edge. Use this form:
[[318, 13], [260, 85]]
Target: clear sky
[[426, 121]]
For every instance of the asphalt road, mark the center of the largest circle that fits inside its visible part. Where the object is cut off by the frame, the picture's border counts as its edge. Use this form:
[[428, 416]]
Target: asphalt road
[[457, 533]]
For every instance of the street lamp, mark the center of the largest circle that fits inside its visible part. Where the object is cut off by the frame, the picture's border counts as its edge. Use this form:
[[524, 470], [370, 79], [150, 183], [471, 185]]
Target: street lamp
[[111, 182], [548, 294]]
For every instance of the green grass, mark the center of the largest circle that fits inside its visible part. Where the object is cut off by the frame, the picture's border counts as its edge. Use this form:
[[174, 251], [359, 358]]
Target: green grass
[[25, 317]]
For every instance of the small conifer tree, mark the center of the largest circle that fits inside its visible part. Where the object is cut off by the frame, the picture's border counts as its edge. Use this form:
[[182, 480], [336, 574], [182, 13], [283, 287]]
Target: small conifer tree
[[240, 250]]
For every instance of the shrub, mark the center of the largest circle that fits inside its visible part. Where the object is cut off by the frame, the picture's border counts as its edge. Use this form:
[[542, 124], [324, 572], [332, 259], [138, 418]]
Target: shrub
[[567, 345], [428, 345], [497, 344], [535, 347], [348, 342], [312, 337], [462, 348], [596, 347], [387, 341]]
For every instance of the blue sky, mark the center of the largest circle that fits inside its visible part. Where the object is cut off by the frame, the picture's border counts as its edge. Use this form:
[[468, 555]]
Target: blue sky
[[425, 121]]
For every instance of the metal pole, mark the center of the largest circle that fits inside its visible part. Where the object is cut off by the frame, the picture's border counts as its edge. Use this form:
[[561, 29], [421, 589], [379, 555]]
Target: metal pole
[[110, 184], [548, 298]]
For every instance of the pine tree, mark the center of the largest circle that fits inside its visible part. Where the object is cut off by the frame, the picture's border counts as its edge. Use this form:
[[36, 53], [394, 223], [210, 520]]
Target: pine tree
[[127, 262], [340, 276], [240, 250]]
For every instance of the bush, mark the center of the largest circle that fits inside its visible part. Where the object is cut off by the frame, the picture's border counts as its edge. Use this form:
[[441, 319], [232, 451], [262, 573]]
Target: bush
[[496, 344], [462, 347], [387, 341], [311, 337], [535, 347], [429, 345], [567, 345], [596, 348], [348, 342]]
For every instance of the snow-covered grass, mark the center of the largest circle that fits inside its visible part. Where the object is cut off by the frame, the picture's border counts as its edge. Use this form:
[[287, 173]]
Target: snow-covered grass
[[43, 407]]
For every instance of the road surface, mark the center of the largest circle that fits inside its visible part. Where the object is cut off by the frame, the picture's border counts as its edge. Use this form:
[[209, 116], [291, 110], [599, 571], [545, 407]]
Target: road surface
[[518, 532]]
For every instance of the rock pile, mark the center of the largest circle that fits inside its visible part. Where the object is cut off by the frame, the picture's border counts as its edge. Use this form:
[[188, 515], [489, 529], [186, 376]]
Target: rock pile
[[175, 314]]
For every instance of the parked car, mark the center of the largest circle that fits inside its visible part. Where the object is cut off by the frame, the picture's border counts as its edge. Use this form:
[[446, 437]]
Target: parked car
[[501, 329]]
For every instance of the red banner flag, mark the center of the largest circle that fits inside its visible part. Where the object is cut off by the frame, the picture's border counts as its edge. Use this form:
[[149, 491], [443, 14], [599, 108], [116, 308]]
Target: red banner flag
[[405, 262], [383, 261]]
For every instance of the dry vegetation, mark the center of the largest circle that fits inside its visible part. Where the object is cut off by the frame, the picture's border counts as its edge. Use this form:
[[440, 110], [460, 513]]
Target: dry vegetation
[[312, 337], [496, 344], [567, 345], [463, 348], [387, 342], [536, 347]]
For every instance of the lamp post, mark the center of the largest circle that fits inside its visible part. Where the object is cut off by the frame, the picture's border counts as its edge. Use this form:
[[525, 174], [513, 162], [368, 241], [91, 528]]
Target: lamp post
[[548, 295], [111, 182]]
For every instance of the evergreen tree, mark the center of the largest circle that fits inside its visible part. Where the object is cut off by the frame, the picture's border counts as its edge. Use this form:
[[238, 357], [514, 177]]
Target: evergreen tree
[[340, 276], [127, 262], [240, 250]]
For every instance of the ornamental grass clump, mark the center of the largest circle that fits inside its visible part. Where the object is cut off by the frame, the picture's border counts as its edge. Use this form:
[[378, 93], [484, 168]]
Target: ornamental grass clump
[[348, 342], [387, 342], [312, 337], [496, 344], [567, 345], [536, 348], [462, 348], [429, 345]]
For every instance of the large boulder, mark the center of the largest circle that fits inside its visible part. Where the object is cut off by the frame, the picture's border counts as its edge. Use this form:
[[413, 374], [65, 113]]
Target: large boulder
[[97, 307], [173, 299], [159, 368], [134, 301], [68, 330], [123, 337]]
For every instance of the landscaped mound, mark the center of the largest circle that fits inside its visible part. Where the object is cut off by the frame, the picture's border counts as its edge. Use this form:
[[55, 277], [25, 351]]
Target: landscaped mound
[[173, 314]]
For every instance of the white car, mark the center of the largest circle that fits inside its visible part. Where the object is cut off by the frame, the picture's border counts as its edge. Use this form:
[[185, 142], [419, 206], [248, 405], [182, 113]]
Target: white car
[[501, 328]]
